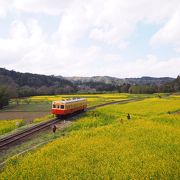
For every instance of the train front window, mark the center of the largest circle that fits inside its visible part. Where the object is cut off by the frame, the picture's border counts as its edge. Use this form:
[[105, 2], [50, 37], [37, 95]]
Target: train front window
[[62, 106], [54, 106]]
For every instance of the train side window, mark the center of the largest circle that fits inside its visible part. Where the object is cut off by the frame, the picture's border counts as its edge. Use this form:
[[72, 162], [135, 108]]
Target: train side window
[[62, 106], [54, 106]]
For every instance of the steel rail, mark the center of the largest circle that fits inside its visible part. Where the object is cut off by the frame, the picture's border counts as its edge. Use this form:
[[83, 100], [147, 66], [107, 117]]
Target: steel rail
[[31, 130]]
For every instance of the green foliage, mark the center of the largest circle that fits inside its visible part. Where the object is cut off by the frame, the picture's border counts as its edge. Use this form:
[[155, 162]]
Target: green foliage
[[28, 84], [9, 125], [173, 86], [44, 118], [143, 89], [4, 97]]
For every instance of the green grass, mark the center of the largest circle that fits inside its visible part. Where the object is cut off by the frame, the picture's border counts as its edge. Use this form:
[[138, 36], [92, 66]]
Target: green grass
[[43, 103], [105, 145], [9, 125], [44, 118], [33, 106]]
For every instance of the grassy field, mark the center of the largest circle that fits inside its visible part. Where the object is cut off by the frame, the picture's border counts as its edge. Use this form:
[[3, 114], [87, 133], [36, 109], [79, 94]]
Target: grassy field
[[105, 145], [38, 108], [43, 103], [9, 125]]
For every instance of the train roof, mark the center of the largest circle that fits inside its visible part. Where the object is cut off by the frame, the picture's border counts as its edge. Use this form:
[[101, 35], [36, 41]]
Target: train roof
[[66, 101]]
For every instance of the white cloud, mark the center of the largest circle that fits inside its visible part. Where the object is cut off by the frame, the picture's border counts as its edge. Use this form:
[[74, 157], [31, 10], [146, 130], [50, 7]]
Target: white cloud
[[71, 28], [23, 38], [107, 21], [5, 6], [170, 32], [149, 66], [54, 7], [111, 21], [102, 22]]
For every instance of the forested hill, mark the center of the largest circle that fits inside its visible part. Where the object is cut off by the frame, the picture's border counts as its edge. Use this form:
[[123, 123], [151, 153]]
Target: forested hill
[[34, 80], [131, 85], [15, 84], [27, 84], [118, 81]]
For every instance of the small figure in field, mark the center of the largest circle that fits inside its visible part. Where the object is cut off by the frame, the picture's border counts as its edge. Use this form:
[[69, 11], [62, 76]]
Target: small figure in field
[[159, 96], [121, 121], [54, 129], [17, 124], [128, 116]]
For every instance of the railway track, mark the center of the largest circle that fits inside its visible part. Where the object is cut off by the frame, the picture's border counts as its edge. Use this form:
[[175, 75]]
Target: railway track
[[24, 133], [4, 142]]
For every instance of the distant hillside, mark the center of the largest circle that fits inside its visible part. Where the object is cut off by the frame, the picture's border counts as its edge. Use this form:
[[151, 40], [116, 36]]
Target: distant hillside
[[149, 80], [132, 85], [34, 80], [15, 84], [173, 86], [117, 81], [26, 84], [102, 79]]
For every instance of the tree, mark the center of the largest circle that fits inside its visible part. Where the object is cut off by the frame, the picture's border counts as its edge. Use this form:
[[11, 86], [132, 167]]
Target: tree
[[143, 89], [124, 88], [4, 97]]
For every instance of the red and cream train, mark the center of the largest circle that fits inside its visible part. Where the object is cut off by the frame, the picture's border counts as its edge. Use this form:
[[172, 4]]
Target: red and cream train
[[69, 106]]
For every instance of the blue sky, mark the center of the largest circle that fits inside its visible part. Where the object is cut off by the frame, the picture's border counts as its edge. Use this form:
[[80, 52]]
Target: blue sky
[[121, 38]]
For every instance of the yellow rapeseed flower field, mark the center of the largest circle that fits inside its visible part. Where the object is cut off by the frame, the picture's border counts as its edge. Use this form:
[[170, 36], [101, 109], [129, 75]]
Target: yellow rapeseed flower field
[[104, 144], [9, 125], [93, 99]]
